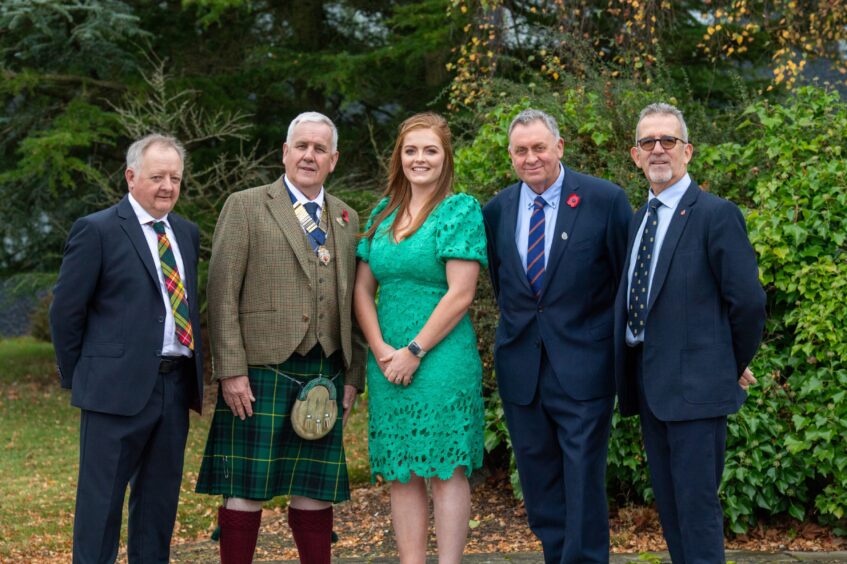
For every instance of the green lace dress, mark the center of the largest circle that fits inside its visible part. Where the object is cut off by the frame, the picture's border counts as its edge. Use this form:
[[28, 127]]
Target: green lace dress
[[436, 423]]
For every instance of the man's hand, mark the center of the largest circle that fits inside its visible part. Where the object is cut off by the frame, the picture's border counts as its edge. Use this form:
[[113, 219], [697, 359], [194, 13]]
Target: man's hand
[[747, 379], [401, 366], [348, 402], [238, 396]]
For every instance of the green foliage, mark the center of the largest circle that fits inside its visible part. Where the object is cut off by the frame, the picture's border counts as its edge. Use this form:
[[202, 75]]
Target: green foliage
[[787, 165]]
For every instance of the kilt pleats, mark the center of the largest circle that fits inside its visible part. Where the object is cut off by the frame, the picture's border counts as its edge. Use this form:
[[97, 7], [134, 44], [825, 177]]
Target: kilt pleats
[[262, 457]]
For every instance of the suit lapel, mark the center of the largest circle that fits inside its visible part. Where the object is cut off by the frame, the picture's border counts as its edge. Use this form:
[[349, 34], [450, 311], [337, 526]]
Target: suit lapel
[[633, 231], [565, 219], [341, 241], [279, 205], [130, 225], [680, 219], [513, 258]]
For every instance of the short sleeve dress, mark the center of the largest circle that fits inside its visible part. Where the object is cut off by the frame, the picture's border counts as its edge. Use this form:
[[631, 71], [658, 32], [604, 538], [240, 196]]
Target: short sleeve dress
[[436, 423]]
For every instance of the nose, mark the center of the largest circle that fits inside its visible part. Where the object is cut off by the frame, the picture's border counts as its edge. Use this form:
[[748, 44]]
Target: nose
[[658, 147]]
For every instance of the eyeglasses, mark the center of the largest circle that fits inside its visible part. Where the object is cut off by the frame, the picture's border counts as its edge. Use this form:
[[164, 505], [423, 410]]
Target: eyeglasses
[[667, 142]]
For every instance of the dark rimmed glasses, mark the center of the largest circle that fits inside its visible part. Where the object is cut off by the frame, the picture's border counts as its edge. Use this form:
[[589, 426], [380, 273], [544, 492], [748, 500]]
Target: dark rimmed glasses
[[667, 142]]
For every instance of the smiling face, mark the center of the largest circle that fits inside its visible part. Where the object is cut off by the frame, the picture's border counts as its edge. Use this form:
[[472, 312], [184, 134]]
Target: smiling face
[[309, 158], [535, 154], [422, 157], [155, 185], [662, 167]]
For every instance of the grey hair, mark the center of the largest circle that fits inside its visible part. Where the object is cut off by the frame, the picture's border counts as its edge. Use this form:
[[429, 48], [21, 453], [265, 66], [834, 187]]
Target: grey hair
[[135, 153], [530, 115], [314, 117], [663, 108]]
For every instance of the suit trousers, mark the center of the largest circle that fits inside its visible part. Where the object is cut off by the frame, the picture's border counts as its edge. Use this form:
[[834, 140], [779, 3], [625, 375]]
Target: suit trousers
[[146, 451], [686, 460], [560, 445]]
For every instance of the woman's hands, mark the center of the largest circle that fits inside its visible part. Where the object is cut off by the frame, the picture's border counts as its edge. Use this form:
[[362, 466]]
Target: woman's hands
[[397, 365]]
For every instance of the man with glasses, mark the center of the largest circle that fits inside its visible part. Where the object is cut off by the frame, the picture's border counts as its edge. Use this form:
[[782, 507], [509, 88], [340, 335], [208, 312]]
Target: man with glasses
[[688, 319]]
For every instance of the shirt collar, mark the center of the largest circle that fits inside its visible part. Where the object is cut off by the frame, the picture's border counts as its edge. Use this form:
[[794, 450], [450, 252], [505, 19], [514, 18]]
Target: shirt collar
[[671, 195], [143, 216], [299, 195], [551, 195]]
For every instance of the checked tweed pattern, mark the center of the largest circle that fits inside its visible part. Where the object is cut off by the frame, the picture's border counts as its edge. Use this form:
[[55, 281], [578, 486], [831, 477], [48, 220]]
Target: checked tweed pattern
[[535, 246], [640, 287], [176, 291]]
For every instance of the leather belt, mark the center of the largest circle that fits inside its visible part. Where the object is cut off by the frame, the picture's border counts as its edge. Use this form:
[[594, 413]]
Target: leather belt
[[170, 363]]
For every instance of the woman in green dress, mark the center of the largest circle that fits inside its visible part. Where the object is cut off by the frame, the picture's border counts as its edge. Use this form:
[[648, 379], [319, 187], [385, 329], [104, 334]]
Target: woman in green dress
[[420, 260]]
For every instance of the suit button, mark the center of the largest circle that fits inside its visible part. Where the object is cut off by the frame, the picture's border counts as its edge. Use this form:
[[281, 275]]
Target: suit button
[[161, 319], [540, 309], [305, 317]]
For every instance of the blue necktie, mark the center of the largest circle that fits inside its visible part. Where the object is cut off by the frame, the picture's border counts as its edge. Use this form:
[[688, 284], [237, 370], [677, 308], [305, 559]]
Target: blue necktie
[[535, 247], [640, 287], [312, 208]]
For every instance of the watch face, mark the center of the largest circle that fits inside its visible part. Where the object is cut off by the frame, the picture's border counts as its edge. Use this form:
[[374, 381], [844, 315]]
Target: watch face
[[415, 349]]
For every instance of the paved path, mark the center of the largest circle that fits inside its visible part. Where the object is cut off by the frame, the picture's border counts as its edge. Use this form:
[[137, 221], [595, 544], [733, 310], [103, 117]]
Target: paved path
[[206, 552]]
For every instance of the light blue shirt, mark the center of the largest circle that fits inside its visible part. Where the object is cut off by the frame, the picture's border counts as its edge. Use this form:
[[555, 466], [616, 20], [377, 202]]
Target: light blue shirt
[[670, 198], [552, 196]]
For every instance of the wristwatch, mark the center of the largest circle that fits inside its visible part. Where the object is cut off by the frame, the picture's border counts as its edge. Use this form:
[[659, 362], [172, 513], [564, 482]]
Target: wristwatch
[[416, 349]]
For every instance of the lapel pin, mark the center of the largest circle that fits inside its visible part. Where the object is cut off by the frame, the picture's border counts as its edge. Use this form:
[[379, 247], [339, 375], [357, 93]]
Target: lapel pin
[[682, 212], [340, 221], [564, 236]]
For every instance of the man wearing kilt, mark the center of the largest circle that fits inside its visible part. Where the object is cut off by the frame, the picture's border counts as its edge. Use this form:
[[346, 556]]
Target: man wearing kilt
[[280, 293]]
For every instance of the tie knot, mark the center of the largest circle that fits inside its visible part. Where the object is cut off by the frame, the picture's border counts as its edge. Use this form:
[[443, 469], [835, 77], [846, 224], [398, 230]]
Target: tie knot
[[312, 208], [159, 227], [654, 204], [539, 202]]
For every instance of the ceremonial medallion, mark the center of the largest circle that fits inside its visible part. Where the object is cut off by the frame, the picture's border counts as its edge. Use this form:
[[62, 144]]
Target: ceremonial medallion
[[323, 255]]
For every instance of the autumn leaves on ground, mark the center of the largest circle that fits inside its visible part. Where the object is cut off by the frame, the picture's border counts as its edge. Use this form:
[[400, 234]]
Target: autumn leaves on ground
[[39, 441]]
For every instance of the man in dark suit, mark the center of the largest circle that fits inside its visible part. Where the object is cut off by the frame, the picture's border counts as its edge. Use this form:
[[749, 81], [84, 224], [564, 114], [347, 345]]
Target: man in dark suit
[[688, 319], [126, 329], [556, 252]]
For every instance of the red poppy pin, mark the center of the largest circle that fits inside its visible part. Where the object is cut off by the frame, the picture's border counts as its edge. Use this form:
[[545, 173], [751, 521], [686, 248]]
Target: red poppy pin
[[573, 200]]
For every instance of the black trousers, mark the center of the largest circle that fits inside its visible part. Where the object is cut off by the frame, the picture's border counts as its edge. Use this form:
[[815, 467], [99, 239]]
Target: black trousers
[[146, 451]]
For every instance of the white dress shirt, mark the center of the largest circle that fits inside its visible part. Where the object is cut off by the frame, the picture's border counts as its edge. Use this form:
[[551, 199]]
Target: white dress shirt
[[670, 198], [303, 199], [170, 345], [552, 196]]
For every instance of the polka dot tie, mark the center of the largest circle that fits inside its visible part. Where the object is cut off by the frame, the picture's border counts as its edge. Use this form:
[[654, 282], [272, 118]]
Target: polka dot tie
[[640, 285]]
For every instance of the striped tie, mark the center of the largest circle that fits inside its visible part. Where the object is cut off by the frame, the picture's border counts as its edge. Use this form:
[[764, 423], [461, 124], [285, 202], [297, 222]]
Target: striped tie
[[640, 286], [535, 247], [176, 291]]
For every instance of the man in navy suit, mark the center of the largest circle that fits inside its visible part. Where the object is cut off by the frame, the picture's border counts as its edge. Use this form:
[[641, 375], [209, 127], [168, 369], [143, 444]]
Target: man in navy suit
[[688, 319], [556, 243], [126, 329]]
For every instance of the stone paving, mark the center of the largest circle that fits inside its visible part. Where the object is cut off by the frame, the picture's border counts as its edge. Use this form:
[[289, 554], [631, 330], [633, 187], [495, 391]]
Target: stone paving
[[206, 552]]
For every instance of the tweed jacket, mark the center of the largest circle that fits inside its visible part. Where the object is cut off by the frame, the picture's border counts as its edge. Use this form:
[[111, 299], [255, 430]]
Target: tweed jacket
[[259, 274]]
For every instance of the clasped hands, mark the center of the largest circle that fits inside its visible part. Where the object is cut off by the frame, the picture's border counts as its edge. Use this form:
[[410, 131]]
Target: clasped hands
[[397, 365]]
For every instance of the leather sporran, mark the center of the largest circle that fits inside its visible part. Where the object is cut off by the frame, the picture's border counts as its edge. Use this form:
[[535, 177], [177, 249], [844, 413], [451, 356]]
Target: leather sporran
[[315, 410]]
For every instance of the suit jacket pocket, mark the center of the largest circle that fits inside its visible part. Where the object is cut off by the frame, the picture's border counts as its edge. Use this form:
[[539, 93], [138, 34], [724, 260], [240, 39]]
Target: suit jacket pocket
[[113, 350], [709, 374]]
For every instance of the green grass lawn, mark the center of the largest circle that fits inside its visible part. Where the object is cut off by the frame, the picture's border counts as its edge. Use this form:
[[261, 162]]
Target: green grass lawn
[[39, 450]]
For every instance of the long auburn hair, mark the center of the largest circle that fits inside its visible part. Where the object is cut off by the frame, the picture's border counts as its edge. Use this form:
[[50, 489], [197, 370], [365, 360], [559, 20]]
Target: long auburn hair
[[399, 189]]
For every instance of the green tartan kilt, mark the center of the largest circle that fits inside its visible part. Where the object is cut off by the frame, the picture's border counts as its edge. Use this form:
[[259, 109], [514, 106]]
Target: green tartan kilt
[[262, 457]]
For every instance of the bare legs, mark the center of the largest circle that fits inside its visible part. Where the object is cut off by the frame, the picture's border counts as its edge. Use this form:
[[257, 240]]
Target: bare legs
[[451, 499]]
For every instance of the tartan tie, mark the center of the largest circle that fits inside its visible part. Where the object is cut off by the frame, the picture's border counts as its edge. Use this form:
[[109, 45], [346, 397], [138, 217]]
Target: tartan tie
[[176, 291], [640, 287], [535, 246]]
